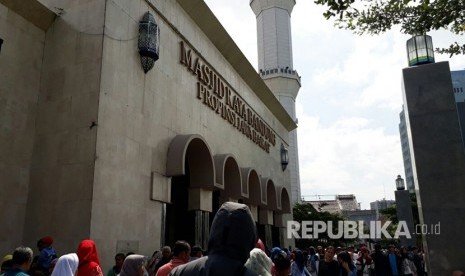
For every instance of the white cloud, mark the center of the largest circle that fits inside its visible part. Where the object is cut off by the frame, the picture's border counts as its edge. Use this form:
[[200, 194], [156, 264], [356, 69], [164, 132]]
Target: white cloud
[[348, 156]]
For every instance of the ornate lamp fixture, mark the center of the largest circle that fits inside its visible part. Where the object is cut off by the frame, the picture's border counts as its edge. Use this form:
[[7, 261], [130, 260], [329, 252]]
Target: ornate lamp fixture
[[284, 157], [420, 50], [149, 41], [1, 42], [400, 183]]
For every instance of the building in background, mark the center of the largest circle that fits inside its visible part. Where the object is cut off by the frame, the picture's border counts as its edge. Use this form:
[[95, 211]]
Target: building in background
[[381, 204], [458, 83], [406, 152], [367, 216], [275, 65], [337, 205]]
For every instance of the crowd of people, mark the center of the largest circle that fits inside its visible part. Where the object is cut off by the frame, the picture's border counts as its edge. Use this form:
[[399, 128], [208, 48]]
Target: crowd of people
[[338, 261], [84, 261], [233, 249]]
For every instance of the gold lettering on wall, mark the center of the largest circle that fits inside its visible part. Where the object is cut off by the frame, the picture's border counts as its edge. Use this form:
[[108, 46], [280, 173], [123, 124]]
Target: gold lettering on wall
[[215, 93]]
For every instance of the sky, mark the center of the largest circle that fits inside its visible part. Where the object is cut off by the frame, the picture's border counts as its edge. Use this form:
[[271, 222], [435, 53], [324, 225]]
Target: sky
[[349, 103]]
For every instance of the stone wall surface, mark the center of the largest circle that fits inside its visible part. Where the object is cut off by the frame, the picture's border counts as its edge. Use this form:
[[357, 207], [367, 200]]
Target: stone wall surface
[[20, 76], [438, 163], [61, 185]]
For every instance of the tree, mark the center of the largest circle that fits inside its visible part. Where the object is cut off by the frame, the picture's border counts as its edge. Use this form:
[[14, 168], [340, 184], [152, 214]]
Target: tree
[[306, 212], [390, 214], [415, 17]]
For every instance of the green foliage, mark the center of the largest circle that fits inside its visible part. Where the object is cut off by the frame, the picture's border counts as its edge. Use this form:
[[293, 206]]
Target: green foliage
[[306, 212], [415, 17], [390, 214]]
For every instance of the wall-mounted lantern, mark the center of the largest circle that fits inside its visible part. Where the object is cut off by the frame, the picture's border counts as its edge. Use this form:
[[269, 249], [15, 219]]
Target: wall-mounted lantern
[[149, 41], [284, 157], [1, 42], [420, 50]]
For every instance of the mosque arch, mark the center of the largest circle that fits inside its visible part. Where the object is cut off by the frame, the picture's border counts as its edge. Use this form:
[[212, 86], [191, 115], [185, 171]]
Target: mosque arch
[[193, 151], [191, 168], [269, 194], [228, 175], [284, 201], [251, 188]]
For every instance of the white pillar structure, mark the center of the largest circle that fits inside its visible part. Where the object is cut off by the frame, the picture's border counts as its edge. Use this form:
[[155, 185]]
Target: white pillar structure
[[276, 68]]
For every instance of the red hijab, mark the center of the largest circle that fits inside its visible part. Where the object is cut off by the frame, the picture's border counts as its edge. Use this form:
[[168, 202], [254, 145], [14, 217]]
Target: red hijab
[[89, 264]]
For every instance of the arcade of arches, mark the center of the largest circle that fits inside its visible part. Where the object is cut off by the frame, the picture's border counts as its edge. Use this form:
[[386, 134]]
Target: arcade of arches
[[201, 182]]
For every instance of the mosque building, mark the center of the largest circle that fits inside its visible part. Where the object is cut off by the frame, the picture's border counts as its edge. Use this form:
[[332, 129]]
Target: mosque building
[[131, 122]]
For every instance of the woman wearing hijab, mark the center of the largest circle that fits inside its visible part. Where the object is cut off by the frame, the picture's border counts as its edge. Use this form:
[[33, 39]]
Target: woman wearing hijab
[[89, 264], [156, 256], [347, 267], [259, 262], [134, 265], [66, 265], [298, 266], [313, 260]]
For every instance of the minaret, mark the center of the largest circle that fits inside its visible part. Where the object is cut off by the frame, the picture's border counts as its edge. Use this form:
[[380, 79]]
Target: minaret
[[276, 68]]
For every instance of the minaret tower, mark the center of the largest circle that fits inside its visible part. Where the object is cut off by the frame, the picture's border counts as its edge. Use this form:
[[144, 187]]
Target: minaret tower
[[276, 68]]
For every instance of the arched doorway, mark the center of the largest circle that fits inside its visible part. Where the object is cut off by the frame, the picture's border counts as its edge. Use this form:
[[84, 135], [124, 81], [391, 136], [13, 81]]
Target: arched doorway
[[190, 164], [228, 181], [176, 228], [284, 208], [228, 177], [266, 219], [252, 194]]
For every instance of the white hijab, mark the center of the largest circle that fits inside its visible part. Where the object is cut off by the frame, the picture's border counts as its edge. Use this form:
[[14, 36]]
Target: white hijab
[[259, 262], [67, 265]]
